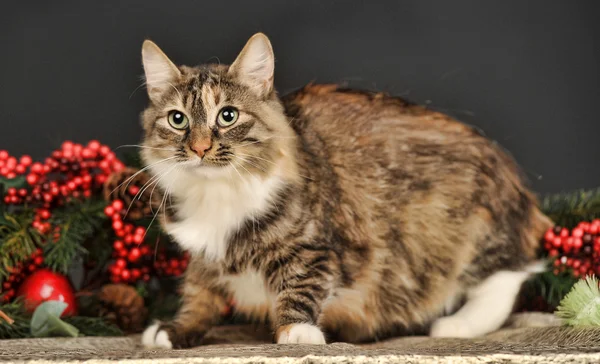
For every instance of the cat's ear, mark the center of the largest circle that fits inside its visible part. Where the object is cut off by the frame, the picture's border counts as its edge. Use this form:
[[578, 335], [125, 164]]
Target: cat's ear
[[255, 65], [160, 72]]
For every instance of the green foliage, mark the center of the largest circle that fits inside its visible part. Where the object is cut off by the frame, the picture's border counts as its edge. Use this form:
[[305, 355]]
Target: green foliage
[[581, 306], [17, 182], [94, 326], [19, 328], [568, 209], [18, 240], [78, 222], [550, 286]]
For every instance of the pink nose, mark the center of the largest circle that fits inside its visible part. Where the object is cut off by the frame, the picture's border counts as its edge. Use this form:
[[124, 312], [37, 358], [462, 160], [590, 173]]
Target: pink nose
[[201, 147]]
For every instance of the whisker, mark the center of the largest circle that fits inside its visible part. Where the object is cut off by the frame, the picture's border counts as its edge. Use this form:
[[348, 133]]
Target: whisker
[[145, 147], [128, 180]]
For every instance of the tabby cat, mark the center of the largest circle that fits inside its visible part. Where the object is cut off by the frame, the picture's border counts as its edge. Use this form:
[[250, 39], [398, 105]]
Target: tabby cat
[[330, 214]]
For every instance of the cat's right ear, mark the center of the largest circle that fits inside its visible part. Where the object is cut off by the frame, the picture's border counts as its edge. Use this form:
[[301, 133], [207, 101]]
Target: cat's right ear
[[160, 72]]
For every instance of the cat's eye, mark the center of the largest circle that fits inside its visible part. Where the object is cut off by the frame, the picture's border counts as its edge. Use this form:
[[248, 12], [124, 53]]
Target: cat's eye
[[178, 120], [227, 116]]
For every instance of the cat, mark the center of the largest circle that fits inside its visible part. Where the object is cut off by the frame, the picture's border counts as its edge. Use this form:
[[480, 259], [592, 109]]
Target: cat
[[331, 214]]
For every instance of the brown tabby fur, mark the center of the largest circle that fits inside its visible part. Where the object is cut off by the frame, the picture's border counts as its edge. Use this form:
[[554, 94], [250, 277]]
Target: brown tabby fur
[[389, 210]]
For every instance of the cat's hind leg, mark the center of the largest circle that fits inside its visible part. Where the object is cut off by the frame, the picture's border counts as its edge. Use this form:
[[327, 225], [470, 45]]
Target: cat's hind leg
[[487, 307]]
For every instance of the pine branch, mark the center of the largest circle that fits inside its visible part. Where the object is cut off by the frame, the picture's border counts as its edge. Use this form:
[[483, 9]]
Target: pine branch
[[18, 240], [93, 326], [20, 327], [78, 221], [568, 209], [550, 286], [581, 306]]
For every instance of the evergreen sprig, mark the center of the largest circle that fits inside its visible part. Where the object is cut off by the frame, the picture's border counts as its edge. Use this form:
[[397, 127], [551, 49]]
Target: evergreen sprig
[[581, 306], [568, 209], [93, 326], [78, 221], [18, 240], [20, 327]]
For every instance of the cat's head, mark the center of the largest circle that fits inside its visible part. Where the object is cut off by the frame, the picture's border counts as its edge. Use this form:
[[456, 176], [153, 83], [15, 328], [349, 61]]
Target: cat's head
[[214, 121]]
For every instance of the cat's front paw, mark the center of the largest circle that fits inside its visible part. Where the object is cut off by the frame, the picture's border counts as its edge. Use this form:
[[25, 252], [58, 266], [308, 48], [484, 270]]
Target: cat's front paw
[[155, 337], [300, 334], [451, 326], [170, 336]]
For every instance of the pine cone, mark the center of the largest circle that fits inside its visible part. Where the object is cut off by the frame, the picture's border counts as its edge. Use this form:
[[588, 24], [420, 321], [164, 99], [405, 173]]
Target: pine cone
[[122, 305], [125, 185]]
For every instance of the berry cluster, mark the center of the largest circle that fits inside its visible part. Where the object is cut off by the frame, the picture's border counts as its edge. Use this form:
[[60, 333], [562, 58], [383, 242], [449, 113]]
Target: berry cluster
[[19, 273], [133, 256], [577, 249], [70, 172]]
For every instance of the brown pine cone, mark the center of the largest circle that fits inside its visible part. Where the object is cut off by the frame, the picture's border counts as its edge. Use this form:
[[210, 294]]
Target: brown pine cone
[[125, 185], [122, 305]]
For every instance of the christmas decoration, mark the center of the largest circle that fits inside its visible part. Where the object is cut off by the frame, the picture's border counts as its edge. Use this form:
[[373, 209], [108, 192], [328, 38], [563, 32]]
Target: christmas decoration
[[46, 320], [581, 306], [122, 305], [78, 215], [45, 285]]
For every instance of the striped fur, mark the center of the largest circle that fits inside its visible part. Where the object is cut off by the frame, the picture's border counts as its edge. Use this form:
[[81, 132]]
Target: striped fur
[[355, 212]]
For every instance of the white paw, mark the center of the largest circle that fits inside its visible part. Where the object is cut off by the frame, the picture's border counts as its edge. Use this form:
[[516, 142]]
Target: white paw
[[302, 334], [451, 327], [152, 339]]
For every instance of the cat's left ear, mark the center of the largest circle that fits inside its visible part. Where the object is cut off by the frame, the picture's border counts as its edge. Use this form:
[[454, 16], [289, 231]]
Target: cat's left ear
[[255, 65], [160, 72]]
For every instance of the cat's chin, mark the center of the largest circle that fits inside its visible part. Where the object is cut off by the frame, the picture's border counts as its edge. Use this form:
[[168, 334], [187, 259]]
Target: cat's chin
[[208, 171]]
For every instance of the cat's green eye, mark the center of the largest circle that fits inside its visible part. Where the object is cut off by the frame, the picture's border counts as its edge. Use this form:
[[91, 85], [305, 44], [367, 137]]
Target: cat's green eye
[[178, 120], [227, 116]]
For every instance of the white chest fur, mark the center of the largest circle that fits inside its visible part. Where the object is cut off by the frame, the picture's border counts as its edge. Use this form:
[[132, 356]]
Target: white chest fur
[[249, 290], [209, 210]]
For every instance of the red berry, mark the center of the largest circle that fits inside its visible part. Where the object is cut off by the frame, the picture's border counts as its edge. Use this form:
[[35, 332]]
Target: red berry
[[39, 260], [553, 253], [11, 175], [22, 192], [109, 211], [133, 190], [577, 232], [128, 239], [118, 245], [557, 242], [44, 214], [32, 179], [117, 225], [37, 168], [594, 229], [71, 185], [11, 163], [104, 150], [577, 243], [87, 179], [104, 165], [121, 263], [134, 255], [67, 145], [145, 250], [174, 263], [87, 153], [26, 160], [136, 273], [125, 274], [12, 191], [117, 205], [94, 145], [3, 154], [122, 253], [146, 277], [4, 171], [20, 169], [87, 193], [138, 239]]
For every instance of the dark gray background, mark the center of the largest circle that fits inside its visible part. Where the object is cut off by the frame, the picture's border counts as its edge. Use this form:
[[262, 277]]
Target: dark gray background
[[525, 72]]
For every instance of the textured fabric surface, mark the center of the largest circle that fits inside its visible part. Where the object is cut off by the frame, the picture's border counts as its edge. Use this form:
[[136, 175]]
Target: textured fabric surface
[[246, 344]]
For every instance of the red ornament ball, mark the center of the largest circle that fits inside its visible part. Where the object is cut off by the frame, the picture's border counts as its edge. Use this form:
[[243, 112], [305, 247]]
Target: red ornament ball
[[45, 285]]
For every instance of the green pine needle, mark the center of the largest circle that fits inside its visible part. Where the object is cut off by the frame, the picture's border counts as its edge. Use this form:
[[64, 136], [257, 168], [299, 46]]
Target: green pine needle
[[18, 240], [568, 209], [78, 222], [581, 306]]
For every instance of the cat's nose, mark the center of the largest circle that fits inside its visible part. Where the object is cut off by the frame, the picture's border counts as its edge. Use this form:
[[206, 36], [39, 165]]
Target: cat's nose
[[201, 147]]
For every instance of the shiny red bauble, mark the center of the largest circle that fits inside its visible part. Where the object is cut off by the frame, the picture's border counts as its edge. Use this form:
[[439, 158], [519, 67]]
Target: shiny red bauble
[[45, 285]]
